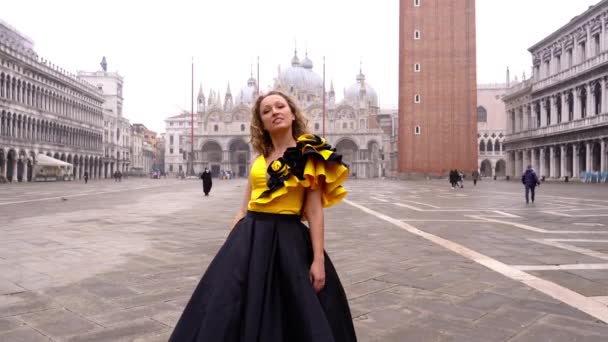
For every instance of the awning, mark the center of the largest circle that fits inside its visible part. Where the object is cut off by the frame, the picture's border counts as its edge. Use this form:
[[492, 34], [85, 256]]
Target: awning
[[44, 160]]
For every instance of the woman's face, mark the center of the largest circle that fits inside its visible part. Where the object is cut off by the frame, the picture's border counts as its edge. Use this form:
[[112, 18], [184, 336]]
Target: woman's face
[[275, 114]]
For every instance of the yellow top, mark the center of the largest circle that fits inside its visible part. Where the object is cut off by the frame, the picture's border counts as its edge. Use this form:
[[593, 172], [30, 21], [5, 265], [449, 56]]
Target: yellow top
[[311, 164]]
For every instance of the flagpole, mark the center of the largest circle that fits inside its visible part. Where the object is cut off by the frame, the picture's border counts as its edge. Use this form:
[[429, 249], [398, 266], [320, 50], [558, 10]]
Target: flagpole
[[258, 80], [191, 169], [323, 96]]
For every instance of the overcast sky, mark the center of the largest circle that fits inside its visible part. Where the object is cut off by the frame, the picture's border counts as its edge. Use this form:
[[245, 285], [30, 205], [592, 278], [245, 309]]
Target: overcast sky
[[151, 43]]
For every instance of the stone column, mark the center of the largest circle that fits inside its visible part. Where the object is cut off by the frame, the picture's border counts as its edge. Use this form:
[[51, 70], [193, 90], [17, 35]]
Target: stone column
[[603, 96], [534, 157], [526, 121], [574, 50], [552, 162], [520, 157], [588, 45], [603, 35], [24, 170], [565, 106], [513, 163], [543, 113], [553, 102], [575, 161], [603, 155], [563, 161], [589, 99], [516, 116], [588, 160], [15, 163], [542, 162], [532, 119], [577, 103]]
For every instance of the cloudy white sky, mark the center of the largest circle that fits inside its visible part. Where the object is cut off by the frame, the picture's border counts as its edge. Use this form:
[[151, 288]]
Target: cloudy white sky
[[151, 43]]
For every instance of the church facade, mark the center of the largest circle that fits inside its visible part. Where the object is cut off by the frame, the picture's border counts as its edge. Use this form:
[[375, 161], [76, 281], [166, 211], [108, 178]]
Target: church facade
[[221, 126]]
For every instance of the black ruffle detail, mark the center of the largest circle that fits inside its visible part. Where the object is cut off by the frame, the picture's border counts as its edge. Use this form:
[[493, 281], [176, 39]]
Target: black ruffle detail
[[295, 159]]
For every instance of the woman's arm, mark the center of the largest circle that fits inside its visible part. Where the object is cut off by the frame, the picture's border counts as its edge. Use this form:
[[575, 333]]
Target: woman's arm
[[243, 210], [313, 209]]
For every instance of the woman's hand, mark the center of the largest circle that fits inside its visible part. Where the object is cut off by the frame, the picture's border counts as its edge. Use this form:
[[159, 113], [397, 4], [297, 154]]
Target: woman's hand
[[317, 275]]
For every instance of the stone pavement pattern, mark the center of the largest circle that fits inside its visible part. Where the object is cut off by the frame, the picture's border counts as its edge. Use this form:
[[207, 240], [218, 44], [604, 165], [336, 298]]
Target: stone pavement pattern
[[118, 261]]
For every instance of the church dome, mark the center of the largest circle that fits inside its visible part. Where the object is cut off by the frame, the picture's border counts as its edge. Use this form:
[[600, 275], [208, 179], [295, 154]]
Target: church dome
[[301, 78], [360, 89], [247, 94], [306, 63]]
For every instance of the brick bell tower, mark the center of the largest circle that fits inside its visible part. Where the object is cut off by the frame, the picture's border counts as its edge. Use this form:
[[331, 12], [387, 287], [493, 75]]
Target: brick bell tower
[[437, 87]]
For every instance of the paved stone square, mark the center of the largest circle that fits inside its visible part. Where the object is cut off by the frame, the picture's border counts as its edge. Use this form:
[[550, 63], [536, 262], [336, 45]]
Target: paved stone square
[[112, 261]]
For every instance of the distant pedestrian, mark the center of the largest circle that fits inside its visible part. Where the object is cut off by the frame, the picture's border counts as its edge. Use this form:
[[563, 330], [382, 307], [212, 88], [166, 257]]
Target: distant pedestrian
[[475, 176], [115, 175], [530, 181], [460, 178], [453, 177], [86, 177], [119, 176], [207, 183]]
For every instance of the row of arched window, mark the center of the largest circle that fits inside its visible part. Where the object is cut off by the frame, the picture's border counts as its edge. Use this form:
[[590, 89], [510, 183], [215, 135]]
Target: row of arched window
[[25, 127], [12, 88], [490, 146]]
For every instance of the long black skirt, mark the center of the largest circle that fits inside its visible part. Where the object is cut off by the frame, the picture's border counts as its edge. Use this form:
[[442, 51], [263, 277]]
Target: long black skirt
[[257, 289]]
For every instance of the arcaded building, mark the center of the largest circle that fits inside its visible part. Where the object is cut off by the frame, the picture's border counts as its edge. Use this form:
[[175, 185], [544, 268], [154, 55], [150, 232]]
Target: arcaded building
[[491, 129], [437, 87], [44, 110], [557, 120]]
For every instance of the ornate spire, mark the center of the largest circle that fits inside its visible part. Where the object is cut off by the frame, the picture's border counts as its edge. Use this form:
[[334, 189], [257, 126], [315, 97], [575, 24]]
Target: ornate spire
[[361, 76], [104, 64], [211, 99], [228, 103], [295, 61]]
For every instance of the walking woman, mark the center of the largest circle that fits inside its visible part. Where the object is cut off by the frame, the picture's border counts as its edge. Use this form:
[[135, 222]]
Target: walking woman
[[271, 281]]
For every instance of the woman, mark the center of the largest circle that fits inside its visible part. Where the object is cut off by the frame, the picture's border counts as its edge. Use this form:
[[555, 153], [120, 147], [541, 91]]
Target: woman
[[271, 281]]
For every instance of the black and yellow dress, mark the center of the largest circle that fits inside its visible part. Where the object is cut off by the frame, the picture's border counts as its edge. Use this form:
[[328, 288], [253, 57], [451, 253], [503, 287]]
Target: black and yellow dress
[[257, 288]]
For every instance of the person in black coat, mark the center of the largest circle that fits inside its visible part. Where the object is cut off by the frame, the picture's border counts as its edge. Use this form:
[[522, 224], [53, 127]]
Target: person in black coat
[[530, 181], [453, 176], [206, 177]]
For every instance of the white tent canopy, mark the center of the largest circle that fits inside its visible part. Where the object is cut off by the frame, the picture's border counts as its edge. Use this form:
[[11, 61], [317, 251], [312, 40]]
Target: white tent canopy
[[44, 160], [50, 169]]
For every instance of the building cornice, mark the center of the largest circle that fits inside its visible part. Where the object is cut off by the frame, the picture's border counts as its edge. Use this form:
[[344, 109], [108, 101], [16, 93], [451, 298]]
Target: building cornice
[[573, 25]]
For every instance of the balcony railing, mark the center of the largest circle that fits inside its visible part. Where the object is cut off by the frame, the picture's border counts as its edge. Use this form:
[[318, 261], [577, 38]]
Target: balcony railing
[[573, 71], [491, 153], [518, 87], [565, 127]]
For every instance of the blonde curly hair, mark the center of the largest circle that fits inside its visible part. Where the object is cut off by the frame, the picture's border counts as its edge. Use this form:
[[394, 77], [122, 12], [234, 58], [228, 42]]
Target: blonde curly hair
[[260, 139]]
